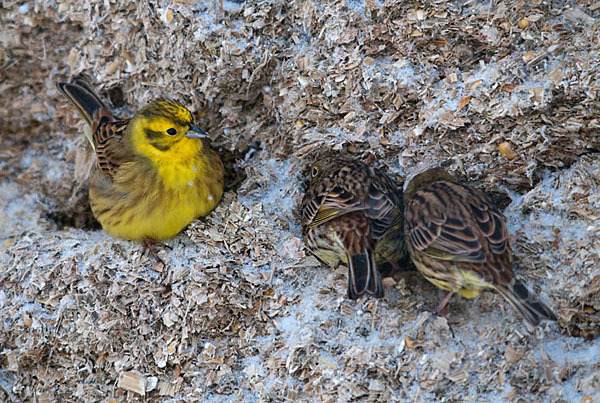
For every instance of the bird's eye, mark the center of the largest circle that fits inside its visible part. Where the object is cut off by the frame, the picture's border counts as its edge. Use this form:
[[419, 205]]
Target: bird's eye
[[171, 132], [315, 171]]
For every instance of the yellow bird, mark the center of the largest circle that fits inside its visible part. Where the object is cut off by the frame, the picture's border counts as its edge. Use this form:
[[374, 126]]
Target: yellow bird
[[154, 173], [458, 240]]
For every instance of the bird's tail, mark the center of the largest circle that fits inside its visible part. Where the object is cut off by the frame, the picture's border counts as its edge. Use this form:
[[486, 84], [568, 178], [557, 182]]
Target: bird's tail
[[364, 277], [80, 93], [526, 302]]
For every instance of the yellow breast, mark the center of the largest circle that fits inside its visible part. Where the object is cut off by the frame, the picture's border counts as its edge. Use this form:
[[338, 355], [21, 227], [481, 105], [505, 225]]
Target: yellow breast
[[157, 201]]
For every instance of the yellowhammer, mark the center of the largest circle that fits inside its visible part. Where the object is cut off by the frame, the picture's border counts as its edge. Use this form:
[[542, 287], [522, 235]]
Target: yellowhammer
[[155, 174], [349, 207], [458, 240]]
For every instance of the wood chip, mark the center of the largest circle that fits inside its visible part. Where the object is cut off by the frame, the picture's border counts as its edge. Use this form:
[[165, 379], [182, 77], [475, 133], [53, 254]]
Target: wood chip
[[132, 382]]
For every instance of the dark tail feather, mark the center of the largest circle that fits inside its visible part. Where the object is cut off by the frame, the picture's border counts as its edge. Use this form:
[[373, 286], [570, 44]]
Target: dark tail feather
[[526, 302], [81, 94], [363, 276]]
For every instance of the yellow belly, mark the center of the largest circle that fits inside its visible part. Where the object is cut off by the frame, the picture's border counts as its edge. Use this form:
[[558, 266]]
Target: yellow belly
[[450, 276], [326, 245], [137, 204], [158, 221]]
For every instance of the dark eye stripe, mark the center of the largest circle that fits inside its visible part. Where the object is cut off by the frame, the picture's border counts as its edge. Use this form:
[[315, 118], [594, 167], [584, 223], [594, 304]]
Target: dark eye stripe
[[153, 135], [153, 138]]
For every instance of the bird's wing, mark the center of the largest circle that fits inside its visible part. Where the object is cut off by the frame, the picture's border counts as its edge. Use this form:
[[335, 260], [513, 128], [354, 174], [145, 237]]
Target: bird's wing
[[334, 203], [368, 190], [490, 222], [384, 204], [328, 199], [108, 142], [450, 221]]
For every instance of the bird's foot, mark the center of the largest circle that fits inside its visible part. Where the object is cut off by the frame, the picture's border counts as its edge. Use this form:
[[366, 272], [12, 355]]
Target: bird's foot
[[150, 246], [440, 310]]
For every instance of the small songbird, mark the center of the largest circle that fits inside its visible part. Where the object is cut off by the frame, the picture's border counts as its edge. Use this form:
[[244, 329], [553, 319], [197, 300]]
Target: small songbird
[[154, 173], [458, 240], [348, 207]]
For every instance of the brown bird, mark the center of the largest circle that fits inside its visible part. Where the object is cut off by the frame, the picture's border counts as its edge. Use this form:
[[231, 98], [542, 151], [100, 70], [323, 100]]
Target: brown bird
[[348, 207], [458, 240]]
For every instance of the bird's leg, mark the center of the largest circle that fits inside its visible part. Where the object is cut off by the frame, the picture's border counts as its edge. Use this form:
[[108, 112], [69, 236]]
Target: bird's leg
[[150, 245], [439, 310], [442, 305]]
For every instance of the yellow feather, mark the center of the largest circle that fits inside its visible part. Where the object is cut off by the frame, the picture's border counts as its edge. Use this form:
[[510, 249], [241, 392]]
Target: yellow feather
[[325, 215]]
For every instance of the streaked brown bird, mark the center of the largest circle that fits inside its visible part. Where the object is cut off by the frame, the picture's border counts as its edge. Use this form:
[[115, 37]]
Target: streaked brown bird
[[458, 240], [349, 207]]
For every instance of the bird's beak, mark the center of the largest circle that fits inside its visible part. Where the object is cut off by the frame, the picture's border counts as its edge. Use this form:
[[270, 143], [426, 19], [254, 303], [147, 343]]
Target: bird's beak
[[195, 133]]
